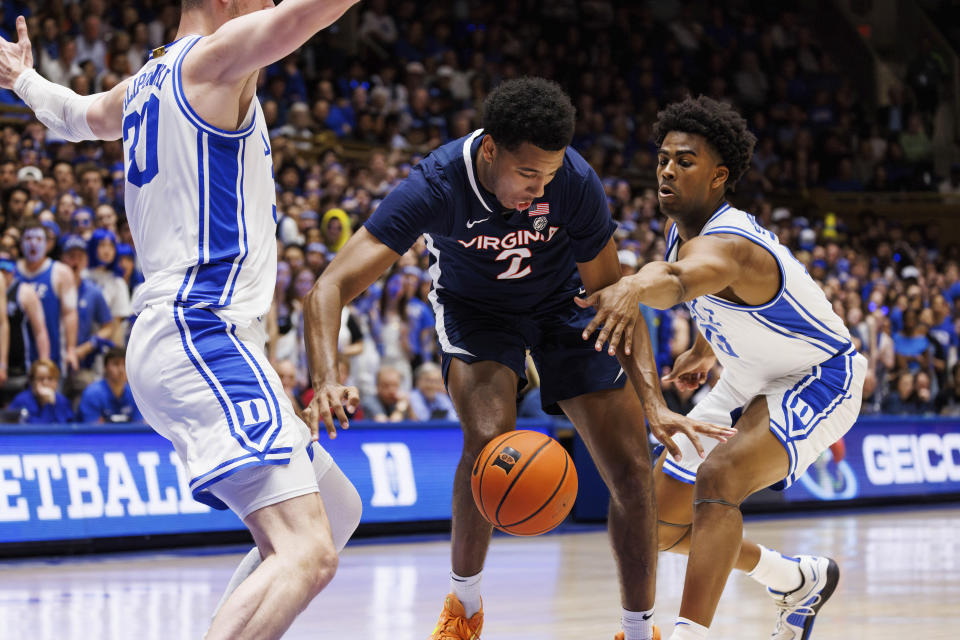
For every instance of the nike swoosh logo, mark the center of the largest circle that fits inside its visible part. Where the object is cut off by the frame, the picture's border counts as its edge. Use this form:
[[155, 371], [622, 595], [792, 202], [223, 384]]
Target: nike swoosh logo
[[470, 223], [646, 617], [582, 291]]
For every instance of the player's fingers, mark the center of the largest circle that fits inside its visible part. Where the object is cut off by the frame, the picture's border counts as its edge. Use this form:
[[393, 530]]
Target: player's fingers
[[586, 303], [695, 439], [616, 337], [323, 407], [592, 326], [352, 397], [310, 418], [672, 448], [715, 431], [22, 35], [628, 339], [341, 416], [609, 323]]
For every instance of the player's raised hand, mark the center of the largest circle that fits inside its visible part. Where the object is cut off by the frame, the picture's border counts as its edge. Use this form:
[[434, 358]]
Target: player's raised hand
[[15, 57], [617, 309], [664, 424], [328, 401], [690, 369]]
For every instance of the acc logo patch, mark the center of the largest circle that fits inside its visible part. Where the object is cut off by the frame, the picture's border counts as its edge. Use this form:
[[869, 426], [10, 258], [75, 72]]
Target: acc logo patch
[[507, 459]]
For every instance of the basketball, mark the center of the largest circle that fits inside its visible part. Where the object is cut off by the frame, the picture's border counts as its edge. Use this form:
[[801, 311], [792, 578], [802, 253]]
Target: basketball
[[524, 483]]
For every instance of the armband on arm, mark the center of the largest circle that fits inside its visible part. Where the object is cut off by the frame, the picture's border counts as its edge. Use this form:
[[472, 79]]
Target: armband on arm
[[60, 109]]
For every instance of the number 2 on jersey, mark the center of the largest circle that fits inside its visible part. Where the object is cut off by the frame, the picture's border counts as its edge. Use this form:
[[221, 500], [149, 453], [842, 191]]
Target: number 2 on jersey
[[143, 150], [516, 257]]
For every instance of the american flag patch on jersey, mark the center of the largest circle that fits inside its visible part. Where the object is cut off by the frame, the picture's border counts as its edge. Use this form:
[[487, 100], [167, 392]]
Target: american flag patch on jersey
[[540, 209]]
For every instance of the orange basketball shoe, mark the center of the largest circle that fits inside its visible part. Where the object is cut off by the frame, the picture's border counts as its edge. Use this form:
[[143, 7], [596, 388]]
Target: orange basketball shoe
[[454, 625], [656, 634]]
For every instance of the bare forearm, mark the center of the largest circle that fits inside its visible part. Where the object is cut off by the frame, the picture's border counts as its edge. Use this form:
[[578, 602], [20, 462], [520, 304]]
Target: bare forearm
[[702, 346], [70, 327], [641, 368], [658, 285], [322, 308]]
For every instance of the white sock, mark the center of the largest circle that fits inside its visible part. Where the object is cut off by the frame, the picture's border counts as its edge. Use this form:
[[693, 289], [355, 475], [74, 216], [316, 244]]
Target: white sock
[[689, 630], [779, 572], [247, 566], [467, 591], [637, 625]]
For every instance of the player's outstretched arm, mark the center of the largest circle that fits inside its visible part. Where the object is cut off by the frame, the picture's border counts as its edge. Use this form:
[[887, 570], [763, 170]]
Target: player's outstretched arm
[[71, 116], [358, 264], [705, 265], [253, 41]]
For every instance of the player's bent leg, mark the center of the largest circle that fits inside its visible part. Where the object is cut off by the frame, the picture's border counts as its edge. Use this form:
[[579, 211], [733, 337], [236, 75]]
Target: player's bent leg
[[299, 560], [675, 519], [746, 463], [612, 426], [484, 395], [343, 505], [674, 510]]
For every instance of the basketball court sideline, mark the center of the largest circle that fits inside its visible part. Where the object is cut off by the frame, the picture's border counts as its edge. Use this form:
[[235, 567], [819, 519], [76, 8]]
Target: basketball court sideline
[[900, 578]]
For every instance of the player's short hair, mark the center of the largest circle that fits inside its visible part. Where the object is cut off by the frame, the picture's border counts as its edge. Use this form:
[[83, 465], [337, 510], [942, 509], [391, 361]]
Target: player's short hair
[[533, 110], [724, 129], [191, 4]]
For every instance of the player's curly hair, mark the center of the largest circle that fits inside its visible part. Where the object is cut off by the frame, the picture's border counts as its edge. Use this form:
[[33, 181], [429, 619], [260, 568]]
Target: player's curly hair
[[533, 110], [724, 129]]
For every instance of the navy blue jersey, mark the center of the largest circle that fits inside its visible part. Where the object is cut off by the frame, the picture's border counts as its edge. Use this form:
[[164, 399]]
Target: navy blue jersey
[[484, 255]]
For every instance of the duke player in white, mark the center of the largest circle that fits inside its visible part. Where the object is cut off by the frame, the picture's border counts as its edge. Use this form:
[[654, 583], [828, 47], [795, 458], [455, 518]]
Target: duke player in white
[[200, 203], [791, 382]]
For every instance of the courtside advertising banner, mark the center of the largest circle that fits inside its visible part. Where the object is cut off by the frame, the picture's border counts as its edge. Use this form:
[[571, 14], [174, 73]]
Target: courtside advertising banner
[[887, 457], [60, 482]]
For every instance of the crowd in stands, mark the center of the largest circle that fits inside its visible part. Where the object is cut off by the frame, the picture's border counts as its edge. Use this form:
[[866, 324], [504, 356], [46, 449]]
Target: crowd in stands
[[353, 111]]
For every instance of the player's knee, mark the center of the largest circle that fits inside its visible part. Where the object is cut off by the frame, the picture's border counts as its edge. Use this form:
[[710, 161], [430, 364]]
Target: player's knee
[[317, 563], [630, 481], [477, 433], [717, 479]]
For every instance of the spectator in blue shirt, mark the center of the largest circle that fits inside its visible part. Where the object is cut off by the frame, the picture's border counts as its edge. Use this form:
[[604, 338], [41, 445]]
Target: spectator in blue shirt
[[96, 328], [110, 399], [911, 345], [429, 401], [41, 402]]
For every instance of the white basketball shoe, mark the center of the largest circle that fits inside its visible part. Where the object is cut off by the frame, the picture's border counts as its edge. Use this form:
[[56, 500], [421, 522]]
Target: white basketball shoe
[[799, 608]]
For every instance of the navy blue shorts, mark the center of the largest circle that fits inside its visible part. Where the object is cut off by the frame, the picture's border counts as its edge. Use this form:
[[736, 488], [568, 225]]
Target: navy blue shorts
[[568, 365]]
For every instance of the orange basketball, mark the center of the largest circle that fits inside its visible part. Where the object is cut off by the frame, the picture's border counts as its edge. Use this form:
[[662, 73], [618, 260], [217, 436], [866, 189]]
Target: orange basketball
[[524, 483]]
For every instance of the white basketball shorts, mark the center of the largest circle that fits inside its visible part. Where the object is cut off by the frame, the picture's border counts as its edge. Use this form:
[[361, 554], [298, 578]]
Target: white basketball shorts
[[809, 411], [206, 385]]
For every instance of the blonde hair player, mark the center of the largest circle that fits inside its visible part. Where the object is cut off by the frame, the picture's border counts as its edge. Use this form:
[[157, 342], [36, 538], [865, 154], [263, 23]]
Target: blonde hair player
[[791, 383], [200, 202]]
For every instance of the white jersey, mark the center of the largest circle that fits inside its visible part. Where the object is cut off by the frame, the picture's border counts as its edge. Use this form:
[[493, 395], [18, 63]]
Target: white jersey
[[200, 201], [793, 332]]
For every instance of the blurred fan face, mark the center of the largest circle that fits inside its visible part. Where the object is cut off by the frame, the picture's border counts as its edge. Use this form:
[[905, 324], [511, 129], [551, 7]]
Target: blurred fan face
[[34, 244]]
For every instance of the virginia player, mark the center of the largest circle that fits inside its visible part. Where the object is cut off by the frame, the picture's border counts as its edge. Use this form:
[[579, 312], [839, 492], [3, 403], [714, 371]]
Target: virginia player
[[200, 202], [516, 224], [791, 381]]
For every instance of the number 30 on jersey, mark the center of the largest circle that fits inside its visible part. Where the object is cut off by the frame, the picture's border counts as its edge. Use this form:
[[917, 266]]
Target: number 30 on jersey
[[143, 127]]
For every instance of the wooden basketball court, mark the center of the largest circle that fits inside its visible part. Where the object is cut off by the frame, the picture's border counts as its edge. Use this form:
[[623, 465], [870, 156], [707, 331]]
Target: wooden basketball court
[[900, 579]]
